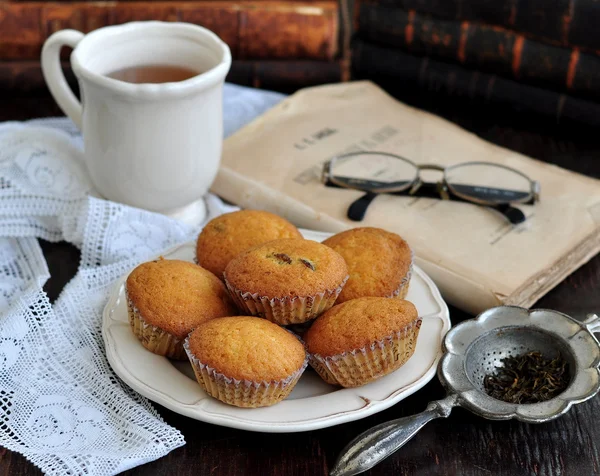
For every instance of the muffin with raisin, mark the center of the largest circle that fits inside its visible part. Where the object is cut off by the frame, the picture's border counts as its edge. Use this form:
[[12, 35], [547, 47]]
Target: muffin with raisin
[[287, 281]]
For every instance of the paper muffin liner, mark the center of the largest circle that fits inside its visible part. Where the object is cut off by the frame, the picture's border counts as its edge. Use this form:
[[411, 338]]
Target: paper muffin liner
[[242, 393], [402, 290], [153, 338], [286, 310], [360, 366]]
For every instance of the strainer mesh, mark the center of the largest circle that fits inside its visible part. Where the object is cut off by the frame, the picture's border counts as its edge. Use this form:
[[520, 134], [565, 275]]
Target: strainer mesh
[[485, 354]]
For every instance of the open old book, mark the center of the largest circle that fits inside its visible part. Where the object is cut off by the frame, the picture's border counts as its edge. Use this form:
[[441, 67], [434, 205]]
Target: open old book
[[477, 259]]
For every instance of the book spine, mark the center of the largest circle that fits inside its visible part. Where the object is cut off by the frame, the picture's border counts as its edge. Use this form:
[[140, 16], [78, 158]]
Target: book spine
[[252, 29], [18, 77], [567, 23], [286, 76], [487, 48], [154, 1], [402, 74]]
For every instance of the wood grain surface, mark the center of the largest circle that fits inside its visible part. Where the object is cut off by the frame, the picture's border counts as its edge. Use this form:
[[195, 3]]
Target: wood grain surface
[[463, 444]]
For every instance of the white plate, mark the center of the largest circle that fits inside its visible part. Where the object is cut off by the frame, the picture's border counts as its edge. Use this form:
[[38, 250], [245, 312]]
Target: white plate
[[313, 404]]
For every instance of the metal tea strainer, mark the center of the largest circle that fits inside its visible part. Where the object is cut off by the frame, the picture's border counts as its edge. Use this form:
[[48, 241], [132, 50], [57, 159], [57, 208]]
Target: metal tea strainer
[[475, 348]]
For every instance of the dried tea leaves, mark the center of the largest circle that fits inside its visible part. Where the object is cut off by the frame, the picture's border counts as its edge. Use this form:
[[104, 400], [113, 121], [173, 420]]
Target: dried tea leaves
[[528, 378]]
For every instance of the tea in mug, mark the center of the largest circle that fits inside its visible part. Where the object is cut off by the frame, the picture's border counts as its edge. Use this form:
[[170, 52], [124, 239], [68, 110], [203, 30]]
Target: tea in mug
[[153, 74]]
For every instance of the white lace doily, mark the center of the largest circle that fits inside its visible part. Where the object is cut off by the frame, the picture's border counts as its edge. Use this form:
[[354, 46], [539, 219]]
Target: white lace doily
[[61, 406]]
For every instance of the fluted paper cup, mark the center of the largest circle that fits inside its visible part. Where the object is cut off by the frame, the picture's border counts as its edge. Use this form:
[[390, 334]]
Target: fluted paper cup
[[361, 366], [286, 310], [153, 338], [402, 290], [242, 393]]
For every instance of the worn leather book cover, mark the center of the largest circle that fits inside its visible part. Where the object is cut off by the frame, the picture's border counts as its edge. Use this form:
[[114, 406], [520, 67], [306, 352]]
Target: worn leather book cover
[[399, 73], [264, 29], [487, 48], [568, 23], [476, 257], [287, 76]]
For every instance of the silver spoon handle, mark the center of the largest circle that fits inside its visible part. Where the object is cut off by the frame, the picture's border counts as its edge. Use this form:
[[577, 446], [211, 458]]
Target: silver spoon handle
[[376, 444]]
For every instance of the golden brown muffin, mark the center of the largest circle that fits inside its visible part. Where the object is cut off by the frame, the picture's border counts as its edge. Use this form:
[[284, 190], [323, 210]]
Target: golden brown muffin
[[245, 361], [362, 340], [287, 281], [379, 263], [228, 235], [167, 299]]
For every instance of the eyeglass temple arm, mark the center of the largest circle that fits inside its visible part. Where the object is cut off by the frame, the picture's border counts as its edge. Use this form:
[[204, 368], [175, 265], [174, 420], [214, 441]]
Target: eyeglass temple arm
[[512, 214], [358, 209]]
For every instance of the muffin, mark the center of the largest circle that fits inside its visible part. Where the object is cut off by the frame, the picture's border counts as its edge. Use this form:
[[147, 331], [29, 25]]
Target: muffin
[[287, 281], [362, 340], [379, 263], [167, 299], [245, 361], [228, 235]]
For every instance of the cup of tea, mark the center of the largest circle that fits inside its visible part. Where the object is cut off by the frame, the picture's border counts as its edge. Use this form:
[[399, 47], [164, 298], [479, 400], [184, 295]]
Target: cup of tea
[[150, 110]]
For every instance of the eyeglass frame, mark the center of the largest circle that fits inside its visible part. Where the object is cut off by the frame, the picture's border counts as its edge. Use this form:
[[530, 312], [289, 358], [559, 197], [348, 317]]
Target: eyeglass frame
[[444, 188]]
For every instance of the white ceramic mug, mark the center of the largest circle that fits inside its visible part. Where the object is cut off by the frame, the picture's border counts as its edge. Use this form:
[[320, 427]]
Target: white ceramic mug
[[153, 146]]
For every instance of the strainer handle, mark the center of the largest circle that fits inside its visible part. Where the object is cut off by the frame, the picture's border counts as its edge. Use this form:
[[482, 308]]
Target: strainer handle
[[375, 445], [592, 323]]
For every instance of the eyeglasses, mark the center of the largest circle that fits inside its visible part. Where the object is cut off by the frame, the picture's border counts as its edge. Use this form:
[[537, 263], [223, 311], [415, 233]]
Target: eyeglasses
[[492, 185]]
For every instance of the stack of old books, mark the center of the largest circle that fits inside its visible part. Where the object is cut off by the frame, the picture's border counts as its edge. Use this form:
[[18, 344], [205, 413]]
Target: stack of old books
[[526, 55], [275, 44]]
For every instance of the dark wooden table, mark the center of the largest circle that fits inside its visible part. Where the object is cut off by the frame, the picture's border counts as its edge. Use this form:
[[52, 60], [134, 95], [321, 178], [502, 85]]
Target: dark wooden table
[[463, 444]]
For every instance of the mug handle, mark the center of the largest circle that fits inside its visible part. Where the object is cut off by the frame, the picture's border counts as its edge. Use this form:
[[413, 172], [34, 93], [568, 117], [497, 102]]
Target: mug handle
[[54, 76]]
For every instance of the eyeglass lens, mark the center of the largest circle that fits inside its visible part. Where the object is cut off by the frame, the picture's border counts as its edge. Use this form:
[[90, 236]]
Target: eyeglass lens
[[373, 171], [488, 182]]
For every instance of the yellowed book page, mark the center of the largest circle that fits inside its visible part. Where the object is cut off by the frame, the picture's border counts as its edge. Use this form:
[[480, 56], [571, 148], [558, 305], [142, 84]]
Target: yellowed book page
[[476, 257]]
